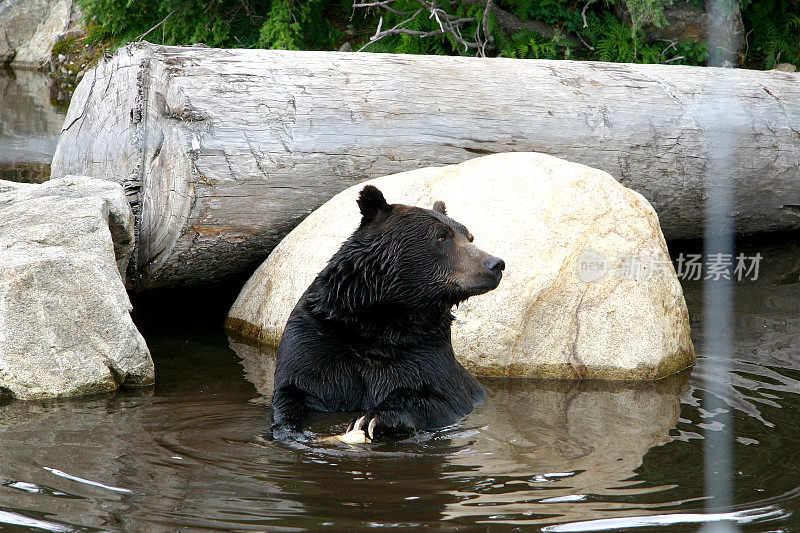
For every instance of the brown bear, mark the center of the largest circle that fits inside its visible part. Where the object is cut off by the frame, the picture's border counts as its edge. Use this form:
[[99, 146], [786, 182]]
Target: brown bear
[[372, 332]]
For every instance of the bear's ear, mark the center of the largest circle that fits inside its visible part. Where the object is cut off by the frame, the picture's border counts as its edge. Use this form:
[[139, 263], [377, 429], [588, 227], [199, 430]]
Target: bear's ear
[[439, 207], [371, 202]]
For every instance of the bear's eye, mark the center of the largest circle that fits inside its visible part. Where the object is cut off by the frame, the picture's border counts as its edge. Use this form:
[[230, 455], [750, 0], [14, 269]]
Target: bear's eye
[[443, 236]]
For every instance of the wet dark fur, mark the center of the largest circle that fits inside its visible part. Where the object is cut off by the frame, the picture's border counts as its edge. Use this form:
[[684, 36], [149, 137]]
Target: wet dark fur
[[372, 332]]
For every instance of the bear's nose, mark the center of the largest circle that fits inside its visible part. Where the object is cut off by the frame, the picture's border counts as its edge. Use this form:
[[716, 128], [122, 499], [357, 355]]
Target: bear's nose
[[495, 264]]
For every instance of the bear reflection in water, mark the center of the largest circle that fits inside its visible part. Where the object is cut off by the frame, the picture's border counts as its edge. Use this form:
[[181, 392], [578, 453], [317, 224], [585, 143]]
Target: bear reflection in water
[[372, 332]]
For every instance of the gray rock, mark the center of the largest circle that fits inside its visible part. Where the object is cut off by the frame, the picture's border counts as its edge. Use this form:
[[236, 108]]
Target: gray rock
[[30, 28], [7, 48], [554, 315], [785, 67], [686, 20], [65, 327]]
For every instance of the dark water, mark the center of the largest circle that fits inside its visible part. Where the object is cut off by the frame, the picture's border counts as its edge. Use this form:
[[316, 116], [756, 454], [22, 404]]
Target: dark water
[[188, 454]]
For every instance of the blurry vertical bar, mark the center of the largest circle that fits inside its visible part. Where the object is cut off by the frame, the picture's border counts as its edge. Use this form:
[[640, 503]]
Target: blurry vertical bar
[[718, 239]]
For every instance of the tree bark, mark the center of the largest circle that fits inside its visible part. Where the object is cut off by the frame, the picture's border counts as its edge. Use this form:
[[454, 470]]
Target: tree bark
[[222, 152]]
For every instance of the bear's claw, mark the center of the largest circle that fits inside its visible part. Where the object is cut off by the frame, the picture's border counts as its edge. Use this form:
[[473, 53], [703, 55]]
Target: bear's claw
[[360, 424], [355, 433]]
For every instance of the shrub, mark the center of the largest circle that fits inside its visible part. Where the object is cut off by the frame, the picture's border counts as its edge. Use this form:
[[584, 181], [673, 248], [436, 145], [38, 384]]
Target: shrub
[[612, 29]]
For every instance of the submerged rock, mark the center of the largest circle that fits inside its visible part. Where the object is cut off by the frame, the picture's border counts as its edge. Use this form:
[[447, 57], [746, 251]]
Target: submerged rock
[[588, 292], [65, 327], [574, 441]]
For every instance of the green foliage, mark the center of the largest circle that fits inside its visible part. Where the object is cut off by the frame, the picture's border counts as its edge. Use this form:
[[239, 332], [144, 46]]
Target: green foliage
[[611, 38], [646, 12], [775, 34], [567, 14], [299, 25], [558, 12], [693, 53], [95, 33], [281, 30], [614, 41], [531, 45], [218, 23], [612, 30], [65, 46]]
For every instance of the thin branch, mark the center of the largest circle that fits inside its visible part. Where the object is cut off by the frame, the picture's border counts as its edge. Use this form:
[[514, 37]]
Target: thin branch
[[246, 9], [583, 14], [584, 43], [435, 14], [487, 37], [142, 36], [672, 44], [746, 43], [449, 24], [380, 35], [385, 4]]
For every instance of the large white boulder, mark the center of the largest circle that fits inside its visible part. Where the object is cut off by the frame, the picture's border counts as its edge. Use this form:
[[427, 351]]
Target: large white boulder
[[588, 290], [65, 327]]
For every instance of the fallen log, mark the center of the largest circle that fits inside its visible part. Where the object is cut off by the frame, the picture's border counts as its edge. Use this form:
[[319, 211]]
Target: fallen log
[[222, 152]]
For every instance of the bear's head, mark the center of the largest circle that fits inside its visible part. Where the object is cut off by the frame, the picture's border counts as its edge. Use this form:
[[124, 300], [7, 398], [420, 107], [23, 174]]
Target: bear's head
[[404, 257]]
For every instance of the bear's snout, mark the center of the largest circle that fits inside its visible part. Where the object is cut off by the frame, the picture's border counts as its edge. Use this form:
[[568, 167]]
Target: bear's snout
[[495, 265], [479, 272]]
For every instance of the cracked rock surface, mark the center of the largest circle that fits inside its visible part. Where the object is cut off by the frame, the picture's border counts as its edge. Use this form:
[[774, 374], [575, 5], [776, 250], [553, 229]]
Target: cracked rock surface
[[588, 290], [65, 327]]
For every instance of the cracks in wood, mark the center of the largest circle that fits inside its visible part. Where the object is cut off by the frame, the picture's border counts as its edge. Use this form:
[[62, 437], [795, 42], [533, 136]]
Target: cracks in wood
[[257, 157], [85, 105], [186, 114], [225, 156], [159, 146], [480, 151], [779, 103], [134, 181]]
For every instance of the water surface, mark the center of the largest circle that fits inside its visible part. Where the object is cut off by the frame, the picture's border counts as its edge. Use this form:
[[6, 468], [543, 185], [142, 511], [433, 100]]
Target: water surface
[[190, 453], [32, 111], [565, 456]]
